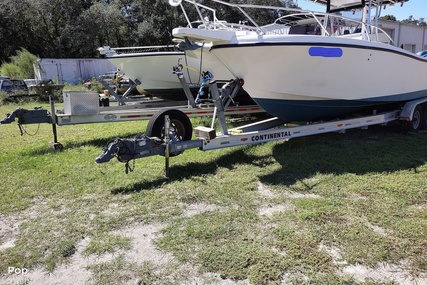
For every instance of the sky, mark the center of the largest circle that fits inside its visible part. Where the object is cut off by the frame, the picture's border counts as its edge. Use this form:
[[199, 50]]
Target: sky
[[416, 8]]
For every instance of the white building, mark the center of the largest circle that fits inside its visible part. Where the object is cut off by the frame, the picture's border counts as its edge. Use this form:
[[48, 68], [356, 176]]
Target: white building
[[409, 37]]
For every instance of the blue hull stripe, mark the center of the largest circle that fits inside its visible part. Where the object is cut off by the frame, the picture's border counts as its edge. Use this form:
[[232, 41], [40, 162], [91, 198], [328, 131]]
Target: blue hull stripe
[[325, 52]]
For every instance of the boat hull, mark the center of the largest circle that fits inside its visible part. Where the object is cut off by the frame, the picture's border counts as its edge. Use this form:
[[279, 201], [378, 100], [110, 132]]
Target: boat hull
[[306, 78], [208, 62], [155, 72]]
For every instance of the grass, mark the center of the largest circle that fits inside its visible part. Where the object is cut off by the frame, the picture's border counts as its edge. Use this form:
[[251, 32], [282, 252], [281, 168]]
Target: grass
[[299, 211]]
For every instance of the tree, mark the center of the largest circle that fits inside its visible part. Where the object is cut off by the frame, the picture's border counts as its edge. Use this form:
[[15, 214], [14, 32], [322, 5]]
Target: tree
[[155, 21], [11, 25], [75, 28], [411, 20], [99, 25], [422, 22], [389, 18]]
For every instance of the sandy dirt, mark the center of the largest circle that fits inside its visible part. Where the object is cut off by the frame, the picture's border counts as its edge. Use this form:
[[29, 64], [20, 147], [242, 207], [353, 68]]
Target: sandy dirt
[[76, 271]]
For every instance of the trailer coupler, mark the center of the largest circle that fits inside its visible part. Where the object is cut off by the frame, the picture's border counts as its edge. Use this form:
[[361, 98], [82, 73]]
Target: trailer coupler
[[24, 116], [126, 150]]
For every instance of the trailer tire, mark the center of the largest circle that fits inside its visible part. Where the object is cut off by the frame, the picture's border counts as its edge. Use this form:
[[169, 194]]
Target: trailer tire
[[179, 122], [424, 116], [417, 122]]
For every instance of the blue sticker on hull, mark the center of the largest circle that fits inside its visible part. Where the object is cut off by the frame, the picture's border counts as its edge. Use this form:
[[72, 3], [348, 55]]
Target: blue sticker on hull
[[325, 52]]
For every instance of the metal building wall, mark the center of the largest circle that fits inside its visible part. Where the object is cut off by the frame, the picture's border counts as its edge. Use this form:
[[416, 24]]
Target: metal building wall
[[72, 71], [410, 37]]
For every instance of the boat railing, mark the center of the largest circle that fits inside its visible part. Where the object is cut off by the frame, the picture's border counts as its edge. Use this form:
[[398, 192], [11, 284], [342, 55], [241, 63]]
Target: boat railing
[[139, 49], [292, 21], [327, 25], [109, 51]]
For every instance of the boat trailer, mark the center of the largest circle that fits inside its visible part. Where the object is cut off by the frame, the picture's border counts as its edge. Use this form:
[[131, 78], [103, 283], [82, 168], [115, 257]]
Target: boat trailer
[[169, 130], [170, 141], [83, 107]]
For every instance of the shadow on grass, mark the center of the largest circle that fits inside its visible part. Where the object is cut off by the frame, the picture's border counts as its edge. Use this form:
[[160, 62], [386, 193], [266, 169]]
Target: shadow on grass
[[192, 169], [97, 142], [379, 149]]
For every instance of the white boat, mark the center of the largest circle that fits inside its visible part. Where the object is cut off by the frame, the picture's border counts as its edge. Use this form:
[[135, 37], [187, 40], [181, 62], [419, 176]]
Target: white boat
[[153, 67], [307, 66]]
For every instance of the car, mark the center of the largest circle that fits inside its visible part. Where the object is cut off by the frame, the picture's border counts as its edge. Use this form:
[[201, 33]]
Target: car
[[6, 85], [13, 87], [423, 53], [19, 85]]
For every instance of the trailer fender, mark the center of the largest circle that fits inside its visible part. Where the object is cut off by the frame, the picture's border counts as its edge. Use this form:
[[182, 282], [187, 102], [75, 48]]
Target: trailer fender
[[408, 109], [180, 125]]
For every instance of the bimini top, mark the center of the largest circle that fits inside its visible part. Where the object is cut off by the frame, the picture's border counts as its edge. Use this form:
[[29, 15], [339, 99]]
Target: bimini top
[[345, 5]]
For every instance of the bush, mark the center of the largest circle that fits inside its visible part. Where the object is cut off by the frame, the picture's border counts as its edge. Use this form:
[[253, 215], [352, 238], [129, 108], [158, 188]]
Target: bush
[[11, 70], [21, 66]]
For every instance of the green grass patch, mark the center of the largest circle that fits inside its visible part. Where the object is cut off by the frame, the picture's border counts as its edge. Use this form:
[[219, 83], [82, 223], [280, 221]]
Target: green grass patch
[[328, 201]]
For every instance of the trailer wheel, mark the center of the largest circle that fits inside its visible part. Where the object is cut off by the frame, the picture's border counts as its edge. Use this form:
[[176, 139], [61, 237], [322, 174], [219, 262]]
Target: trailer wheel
[[417, 122], [425, 117], [180, 123]]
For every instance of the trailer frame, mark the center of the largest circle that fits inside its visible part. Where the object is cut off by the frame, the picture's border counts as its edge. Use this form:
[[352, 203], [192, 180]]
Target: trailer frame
[[169, 120], [413, 113], [92, 110]]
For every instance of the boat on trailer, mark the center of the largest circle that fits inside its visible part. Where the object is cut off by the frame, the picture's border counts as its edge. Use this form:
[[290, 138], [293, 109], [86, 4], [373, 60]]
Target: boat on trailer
[[153, 67], [308, 66]]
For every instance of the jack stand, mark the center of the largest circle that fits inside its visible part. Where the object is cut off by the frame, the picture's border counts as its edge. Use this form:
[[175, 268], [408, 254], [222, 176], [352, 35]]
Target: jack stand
[[121, 98], [167, 144], [219, 108], [55, 144], [131, 86], [178, 71]]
